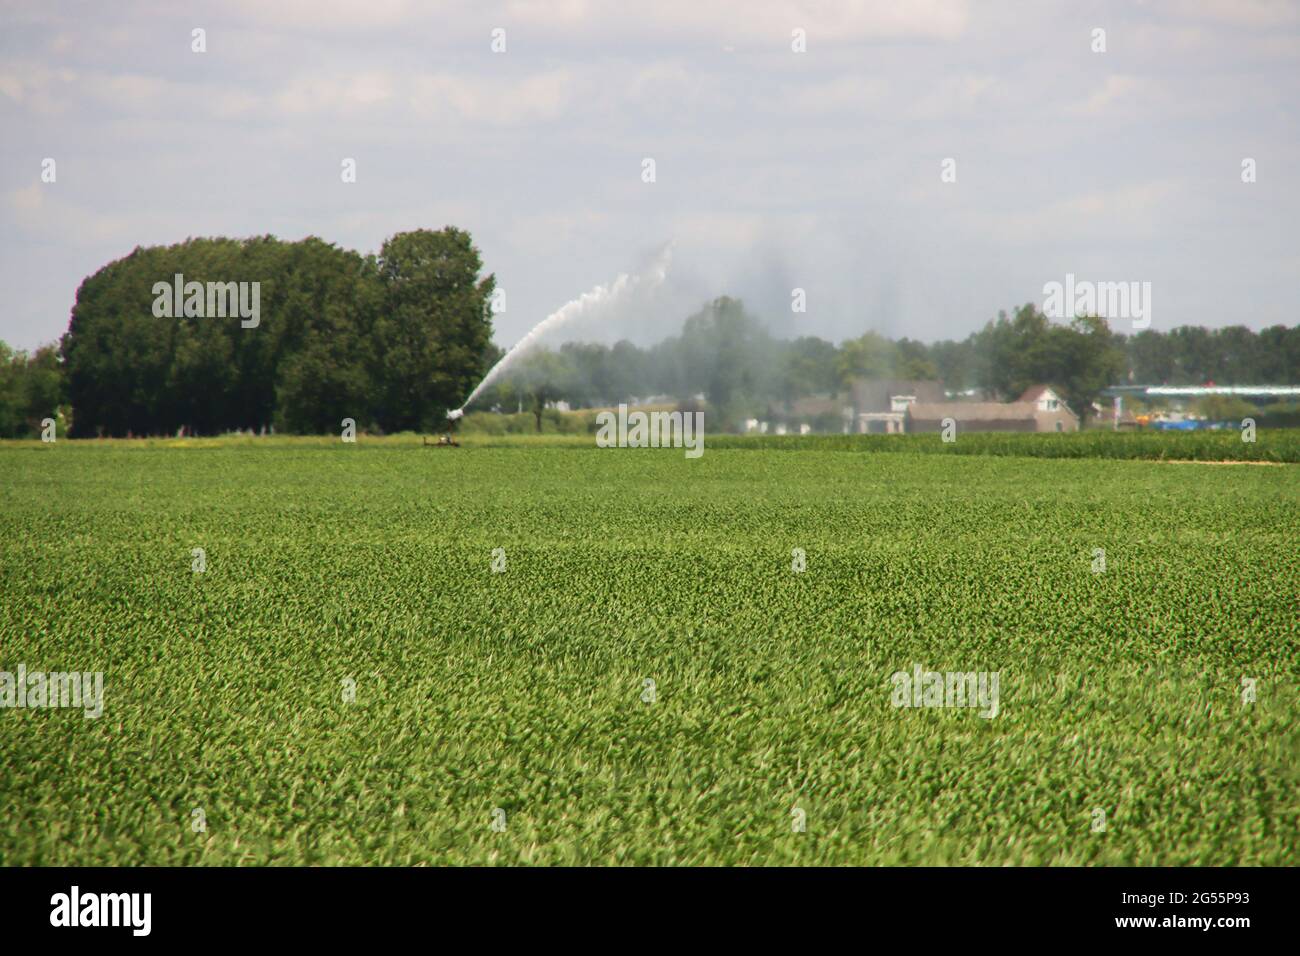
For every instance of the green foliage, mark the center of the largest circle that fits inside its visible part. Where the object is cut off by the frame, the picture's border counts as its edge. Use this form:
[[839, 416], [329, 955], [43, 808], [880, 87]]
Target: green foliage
[[393, 341], [912, 361], [553, 422], [435, 329], [542, 377], [1271, 445], [1233, 355], [809, 368], [523, 690], [869, 356], [1079, 359], [31, 389], [728, 356]]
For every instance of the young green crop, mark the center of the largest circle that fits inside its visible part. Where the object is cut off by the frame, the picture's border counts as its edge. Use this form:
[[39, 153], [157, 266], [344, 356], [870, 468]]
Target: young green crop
[[524, 690]]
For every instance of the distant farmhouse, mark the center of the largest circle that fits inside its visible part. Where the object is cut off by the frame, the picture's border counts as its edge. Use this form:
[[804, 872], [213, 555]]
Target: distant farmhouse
[[880, 404], [873, 406], [1039, 409], [897, 406]]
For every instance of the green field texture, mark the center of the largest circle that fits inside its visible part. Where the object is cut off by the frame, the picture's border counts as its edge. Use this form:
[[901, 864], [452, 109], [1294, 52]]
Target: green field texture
[[1121, 691], [1279, 446], [1269, 444], [1274, 445]]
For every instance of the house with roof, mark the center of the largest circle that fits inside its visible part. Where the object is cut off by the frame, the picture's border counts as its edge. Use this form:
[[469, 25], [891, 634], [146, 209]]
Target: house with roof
[[895, 406], [880, 404], [1044, 397], [867, 406], [1039, 409]]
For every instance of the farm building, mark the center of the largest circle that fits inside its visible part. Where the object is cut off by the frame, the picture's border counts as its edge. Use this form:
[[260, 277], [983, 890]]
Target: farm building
[[880, 404], [1039, 409], [874, 406], [1044, 398], [895, 406]]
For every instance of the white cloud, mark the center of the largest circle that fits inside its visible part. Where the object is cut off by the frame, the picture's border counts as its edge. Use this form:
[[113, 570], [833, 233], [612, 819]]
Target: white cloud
[[851, 92], [956, 94], [1258, 14], [333, 94], [757, 21], [344, 16], [36, 88], [1133, 213], [1117, 89], [491, 100], [37, 211]]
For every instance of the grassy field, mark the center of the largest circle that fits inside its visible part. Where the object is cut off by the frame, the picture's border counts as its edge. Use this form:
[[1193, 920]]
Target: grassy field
[[1270, 444], [1273, 445], [1120, 691]]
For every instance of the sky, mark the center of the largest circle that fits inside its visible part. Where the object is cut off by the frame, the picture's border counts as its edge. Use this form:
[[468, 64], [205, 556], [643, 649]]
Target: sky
[[775, 169]]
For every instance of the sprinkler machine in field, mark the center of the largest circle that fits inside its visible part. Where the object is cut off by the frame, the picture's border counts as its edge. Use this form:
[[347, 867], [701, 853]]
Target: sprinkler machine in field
[[447, 440]]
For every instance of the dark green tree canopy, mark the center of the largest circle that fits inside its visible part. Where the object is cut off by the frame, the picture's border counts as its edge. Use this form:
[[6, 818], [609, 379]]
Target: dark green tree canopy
[[434, 331], [390, 341]]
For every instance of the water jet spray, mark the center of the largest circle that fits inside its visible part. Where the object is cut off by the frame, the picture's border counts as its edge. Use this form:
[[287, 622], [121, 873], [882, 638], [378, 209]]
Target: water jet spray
[[589, 303]]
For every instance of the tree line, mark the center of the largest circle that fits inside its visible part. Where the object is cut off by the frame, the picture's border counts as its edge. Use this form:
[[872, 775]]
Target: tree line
[[726, 355], [391, 341], [396, 339]]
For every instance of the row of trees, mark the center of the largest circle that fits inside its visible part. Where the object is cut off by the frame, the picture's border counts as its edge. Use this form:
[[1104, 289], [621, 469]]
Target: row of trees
[[392, 341], [726, 354], [31, 390]]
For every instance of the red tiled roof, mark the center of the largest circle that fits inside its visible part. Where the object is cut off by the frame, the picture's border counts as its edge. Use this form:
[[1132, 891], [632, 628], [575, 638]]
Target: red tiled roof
[[1033, 393]]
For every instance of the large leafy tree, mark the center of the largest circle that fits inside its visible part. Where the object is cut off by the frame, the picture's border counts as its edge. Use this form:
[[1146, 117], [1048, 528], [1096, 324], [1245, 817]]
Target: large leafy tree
[[728, 355], [1014, 353], [1151, 358], [435, 327], [390, 341], [954, 363], [1279, 355], [808, 368], [543, 376], [912, 361], [1088, 357], [327, 376], [870, 355], [1080, 358]]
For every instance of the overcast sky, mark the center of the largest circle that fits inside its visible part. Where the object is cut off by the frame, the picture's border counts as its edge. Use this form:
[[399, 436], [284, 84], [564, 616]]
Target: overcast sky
[[774, 169]]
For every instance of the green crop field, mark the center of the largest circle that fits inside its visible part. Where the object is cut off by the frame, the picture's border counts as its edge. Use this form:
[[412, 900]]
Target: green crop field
[[649, 679]]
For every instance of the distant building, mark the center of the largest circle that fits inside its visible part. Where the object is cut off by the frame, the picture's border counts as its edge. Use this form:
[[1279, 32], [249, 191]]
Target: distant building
[[885, 406], [1043, 397], [1053, 414], [1039, 409], [880, 404], [869, 406]]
